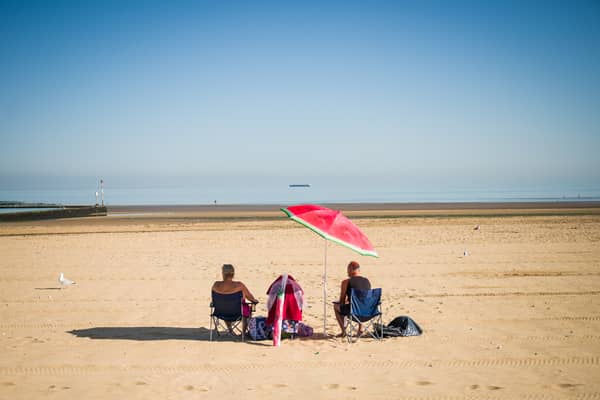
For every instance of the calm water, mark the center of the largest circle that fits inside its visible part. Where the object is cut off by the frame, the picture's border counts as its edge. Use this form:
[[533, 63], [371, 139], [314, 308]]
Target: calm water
[[120, 191]]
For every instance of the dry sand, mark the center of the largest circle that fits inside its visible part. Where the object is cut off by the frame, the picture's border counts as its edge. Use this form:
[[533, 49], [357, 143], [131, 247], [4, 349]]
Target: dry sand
[[517, 318]]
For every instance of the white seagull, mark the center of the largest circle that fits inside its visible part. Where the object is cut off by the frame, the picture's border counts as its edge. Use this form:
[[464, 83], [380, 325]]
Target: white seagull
[[64, 281]]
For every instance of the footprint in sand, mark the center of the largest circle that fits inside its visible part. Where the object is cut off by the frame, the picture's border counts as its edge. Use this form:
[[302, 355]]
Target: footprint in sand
[[474, 387], [569, 385], [276, 385], [139, 383], [424, 383], [332, 386], [188, 387], [491, 387], [8, 384]]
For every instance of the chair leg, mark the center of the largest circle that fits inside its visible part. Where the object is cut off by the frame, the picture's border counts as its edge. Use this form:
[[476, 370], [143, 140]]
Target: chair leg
[[348, 329], [210, 329]]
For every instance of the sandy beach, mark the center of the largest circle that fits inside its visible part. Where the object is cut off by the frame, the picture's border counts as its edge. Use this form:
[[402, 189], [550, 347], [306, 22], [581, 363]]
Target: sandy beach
[[517, 318]]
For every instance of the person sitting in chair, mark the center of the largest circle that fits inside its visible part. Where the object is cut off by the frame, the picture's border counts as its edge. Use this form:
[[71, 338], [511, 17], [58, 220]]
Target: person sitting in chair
[[229, 286], [354, 281]]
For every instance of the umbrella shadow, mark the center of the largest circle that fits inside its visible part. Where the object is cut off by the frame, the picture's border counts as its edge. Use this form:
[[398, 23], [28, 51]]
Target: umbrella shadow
[[150, 333]]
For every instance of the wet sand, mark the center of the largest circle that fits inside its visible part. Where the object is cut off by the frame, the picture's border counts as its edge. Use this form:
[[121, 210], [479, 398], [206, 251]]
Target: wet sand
[[518, 317]]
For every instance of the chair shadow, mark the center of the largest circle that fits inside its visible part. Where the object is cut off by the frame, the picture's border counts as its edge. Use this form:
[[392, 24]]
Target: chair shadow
[[150, 333]]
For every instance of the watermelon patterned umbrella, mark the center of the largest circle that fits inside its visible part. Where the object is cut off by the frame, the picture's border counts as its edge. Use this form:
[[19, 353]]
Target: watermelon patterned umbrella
[[334, 226]]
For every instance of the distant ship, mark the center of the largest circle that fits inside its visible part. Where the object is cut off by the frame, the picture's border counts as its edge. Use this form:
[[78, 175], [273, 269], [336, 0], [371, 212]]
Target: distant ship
[[299, 185]]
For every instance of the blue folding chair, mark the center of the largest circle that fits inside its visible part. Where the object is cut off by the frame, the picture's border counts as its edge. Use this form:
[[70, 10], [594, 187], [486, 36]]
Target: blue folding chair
[[227, 308], [365, 309]]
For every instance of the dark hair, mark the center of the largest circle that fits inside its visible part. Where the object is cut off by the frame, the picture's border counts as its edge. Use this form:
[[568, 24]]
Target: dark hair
[[353, 265]]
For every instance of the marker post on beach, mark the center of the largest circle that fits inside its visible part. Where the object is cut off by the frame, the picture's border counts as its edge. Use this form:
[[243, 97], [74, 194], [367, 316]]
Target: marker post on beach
[[102, 190]]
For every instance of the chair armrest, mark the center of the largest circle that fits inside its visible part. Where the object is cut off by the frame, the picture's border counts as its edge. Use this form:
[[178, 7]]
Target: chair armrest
[[252, 304]]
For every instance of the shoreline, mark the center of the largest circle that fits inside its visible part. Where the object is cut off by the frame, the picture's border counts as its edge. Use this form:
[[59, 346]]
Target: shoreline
[[364, 206], [164, 214]]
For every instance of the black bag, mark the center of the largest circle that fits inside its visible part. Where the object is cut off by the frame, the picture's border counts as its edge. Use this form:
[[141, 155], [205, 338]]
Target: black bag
[[400, 326]]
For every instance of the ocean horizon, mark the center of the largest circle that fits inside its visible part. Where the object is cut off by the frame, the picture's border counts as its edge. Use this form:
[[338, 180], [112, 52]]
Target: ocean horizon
[[242, 191]]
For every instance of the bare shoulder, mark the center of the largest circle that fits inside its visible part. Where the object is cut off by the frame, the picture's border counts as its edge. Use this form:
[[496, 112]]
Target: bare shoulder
[[239, 284]]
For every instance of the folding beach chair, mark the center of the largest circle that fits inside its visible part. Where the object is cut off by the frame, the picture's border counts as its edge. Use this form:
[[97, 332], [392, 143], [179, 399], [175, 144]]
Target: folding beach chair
[[227, 308], [365, 309]]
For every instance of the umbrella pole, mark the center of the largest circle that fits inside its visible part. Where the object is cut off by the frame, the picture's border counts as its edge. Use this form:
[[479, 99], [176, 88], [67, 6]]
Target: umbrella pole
[[325, 292]]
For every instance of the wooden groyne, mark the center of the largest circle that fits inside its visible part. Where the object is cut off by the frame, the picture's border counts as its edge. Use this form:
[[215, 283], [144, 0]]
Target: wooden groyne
[[65, 212]]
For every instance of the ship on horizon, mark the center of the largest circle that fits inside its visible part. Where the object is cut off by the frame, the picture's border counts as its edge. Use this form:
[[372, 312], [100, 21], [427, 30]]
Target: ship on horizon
[[299, 185]]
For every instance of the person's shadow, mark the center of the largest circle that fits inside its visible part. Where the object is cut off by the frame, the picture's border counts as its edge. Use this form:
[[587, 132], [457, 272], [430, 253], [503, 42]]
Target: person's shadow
[[149, 333]]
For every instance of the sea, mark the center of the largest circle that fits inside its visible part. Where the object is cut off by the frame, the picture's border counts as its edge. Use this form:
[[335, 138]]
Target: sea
[[280, 190]]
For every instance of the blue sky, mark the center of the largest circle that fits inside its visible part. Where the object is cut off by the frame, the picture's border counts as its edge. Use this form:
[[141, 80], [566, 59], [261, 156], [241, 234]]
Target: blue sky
[[478, 91]]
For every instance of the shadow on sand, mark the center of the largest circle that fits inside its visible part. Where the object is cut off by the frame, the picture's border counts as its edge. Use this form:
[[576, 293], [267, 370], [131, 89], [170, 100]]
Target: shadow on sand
[[163, 333], [148, 333]]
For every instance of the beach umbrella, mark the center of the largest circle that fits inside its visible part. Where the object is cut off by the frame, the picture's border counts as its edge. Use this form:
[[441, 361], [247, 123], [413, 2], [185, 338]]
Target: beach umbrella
[[333, 226]]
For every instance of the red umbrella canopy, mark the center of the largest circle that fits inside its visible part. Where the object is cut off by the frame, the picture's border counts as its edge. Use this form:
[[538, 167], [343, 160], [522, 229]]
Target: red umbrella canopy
[[332, 225]]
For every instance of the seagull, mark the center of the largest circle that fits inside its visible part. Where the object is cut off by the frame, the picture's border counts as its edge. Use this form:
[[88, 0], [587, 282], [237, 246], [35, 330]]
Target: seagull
[[64, 281]]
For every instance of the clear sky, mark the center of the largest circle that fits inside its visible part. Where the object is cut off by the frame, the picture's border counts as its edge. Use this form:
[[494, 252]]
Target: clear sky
[[432, 90]]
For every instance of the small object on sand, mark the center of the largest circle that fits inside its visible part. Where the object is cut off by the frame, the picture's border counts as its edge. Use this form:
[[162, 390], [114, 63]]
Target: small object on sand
[[476, 228], [466, 253], [64, 281]]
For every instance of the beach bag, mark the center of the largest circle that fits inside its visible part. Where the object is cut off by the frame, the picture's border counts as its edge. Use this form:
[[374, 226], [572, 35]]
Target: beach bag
[[288, 326], [288, 329], [304, 330], [258, 328], [400, 326]]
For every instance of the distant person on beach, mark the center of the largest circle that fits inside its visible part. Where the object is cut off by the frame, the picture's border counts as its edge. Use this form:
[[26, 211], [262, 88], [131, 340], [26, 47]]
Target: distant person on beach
[[229, 286], [354, 281]]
